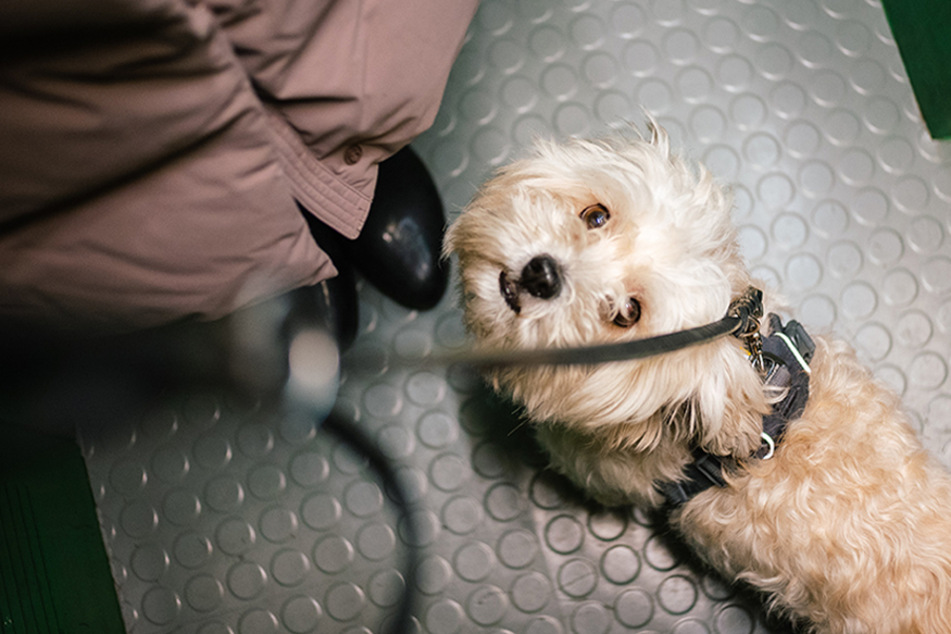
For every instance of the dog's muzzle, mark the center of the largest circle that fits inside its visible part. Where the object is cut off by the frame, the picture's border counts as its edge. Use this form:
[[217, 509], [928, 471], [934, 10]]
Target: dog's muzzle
[[540, 278]]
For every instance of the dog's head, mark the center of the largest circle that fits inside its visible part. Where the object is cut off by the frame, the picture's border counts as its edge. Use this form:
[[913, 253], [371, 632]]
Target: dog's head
[[602, 241]]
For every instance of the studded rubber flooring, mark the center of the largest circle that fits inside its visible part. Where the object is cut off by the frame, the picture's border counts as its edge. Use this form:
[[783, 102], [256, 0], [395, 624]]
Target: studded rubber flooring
[[224, 518]]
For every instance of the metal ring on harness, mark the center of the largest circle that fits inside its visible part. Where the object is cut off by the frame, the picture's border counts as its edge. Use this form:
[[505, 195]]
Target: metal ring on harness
[[769, 443]]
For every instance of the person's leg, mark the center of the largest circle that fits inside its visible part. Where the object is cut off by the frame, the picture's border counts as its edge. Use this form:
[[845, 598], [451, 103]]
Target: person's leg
[[348, 85], [138, 180]]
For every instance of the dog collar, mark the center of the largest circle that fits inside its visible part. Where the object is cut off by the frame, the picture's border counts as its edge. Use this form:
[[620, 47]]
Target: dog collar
[[782, 359]]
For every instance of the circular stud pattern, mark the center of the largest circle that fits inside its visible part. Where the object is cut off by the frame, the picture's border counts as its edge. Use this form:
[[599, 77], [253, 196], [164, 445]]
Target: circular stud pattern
[[803, 108]]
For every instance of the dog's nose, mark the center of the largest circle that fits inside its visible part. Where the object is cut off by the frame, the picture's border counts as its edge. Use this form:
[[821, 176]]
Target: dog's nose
[[541, 277]]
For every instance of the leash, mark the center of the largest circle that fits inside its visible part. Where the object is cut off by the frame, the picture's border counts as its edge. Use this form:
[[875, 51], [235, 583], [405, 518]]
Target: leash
[[741, 320]]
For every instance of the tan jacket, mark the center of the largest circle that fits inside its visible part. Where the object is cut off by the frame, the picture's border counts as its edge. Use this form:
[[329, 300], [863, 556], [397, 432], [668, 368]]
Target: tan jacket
[[151, 150]]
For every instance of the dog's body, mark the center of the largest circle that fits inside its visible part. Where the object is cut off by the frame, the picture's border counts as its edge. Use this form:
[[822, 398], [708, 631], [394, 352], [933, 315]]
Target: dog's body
[[847, 526]]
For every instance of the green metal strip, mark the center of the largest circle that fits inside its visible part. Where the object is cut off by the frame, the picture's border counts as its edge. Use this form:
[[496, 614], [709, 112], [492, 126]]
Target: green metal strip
[[54, 571], [922, 30]]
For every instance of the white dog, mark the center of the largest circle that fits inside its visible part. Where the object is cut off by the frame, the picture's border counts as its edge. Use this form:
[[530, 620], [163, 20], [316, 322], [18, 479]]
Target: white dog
[[846, 523]]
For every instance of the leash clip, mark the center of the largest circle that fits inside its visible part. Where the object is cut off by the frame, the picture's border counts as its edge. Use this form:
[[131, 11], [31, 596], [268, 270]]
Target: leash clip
[[754, 347], [748, 308]]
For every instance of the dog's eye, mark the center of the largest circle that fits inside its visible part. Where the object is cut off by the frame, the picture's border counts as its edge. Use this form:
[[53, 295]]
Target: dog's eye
[[595, 216], [629, 315]]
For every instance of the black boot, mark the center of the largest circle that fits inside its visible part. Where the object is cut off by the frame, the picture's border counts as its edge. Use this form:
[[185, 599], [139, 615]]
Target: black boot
[[399, 248], [334, 301]]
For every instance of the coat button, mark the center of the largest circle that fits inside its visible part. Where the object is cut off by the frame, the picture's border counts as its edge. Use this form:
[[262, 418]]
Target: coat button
[[353, 154]]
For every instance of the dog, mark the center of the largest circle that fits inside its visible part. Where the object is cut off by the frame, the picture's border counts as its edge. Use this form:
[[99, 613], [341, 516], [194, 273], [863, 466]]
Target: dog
[[844, 523]]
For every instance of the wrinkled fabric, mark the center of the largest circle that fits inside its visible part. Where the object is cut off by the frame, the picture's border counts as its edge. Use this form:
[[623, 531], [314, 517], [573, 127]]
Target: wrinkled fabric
[[151, 152]]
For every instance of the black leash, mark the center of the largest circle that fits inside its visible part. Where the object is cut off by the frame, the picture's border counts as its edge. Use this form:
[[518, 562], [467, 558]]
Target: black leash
[[741, 320], [401, 621]]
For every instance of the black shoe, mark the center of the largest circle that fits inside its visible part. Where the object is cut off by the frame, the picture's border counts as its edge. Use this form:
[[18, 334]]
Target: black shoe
[[334, 301], [400, 246]]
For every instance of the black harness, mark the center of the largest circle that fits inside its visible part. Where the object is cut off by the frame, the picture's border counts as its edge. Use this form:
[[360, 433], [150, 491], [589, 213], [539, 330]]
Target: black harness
[[783, 360]]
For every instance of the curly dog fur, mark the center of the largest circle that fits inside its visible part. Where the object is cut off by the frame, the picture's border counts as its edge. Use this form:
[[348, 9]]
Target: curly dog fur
[[847, 526]]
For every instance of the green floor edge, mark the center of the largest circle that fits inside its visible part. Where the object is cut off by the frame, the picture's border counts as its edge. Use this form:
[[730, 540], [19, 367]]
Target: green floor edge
[[54, 571], [922, 30]]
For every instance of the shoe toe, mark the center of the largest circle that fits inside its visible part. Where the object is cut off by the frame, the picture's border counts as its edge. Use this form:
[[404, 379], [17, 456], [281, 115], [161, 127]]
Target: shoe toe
[[404, 264], [399, 249]]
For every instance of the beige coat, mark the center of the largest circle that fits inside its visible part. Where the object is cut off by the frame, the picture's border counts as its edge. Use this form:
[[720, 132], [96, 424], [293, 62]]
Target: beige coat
[[151, 151]]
